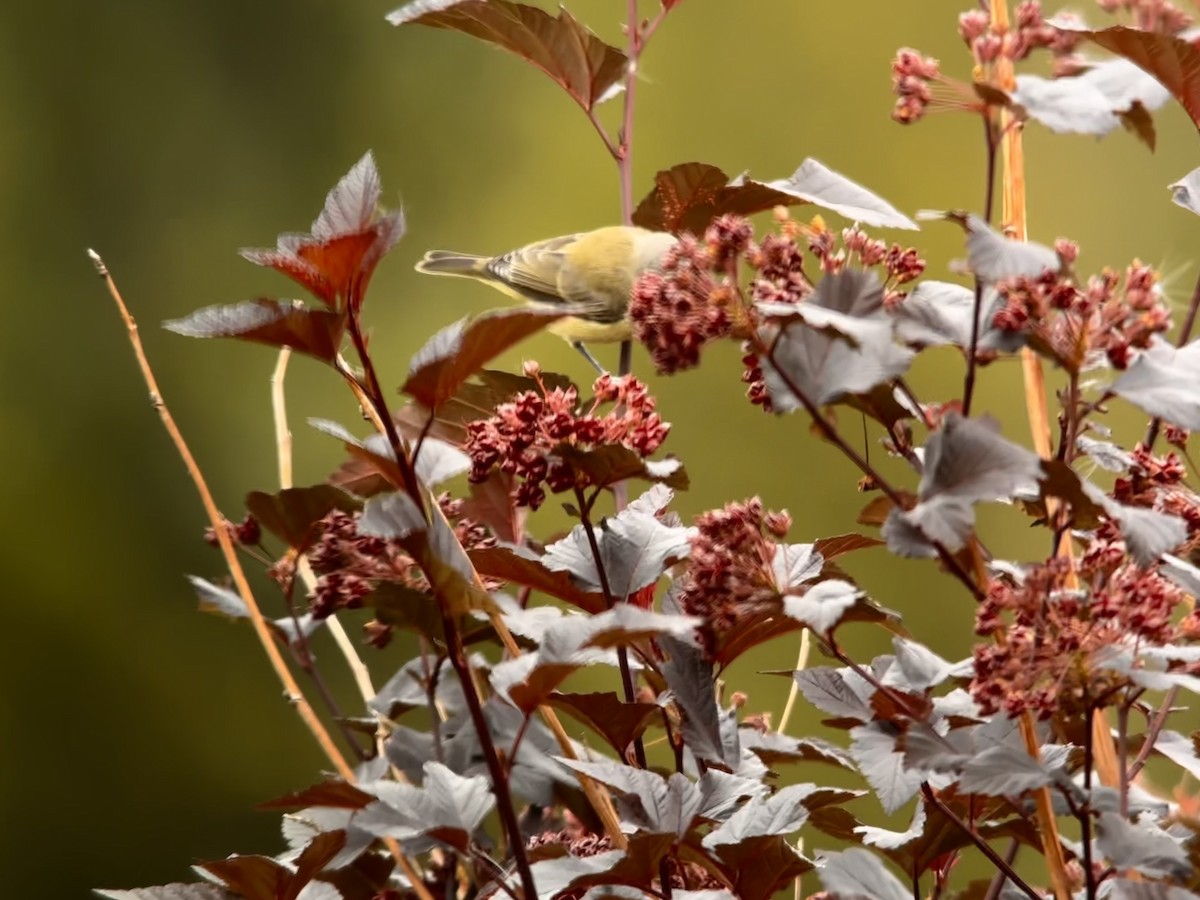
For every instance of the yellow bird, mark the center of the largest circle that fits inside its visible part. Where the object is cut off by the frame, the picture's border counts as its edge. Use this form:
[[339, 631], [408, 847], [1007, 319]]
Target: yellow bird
[[589, 275]]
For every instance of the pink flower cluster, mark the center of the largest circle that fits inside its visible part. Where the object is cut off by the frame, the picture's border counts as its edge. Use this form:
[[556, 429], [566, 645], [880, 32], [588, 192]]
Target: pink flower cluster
[[1150, 15], [1160, 483], [912, 76], [696, 297], [350, 565], [730, 568], [1077, 326], [522, 436], [1049, 656], [1029, 31], [679, 309]]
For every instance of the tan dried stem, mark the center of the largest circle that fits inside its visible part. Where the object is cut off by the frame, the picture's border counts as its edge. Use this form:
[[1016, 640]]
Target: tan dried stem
[[283, 451], [1012, 176], [801, 664], [291, 688]]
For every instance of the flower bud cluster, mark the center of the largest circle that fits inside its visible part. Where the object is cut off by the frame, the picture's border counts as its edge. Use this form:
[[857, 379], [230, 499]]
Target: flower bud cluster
[[522, 436]]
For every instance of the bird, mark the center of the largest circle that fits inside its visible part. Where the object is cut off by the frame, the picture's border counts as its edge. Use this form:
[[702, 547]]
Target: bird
[[589, 275]]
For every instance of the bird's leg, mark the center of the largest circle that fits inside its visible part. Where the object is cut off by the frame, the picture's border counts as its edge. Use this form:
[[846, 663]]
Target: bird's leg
[[578, 345]]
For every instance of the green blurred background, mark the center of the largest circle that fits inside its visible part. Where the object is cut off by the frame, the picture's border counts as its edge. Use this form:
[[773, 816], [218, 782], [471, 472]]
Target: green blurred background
[[138, 734]]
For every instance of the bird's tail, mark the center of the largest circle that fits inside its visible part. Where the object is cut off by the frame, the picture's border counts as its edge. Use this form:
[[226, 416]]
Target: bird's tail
[[447, 262]]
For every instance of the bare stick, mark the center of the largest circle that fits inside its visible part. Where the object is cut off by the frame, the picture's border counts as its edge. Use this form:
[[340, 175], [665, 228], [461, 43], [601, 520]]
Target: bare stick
[[801, 663], [290, 687], [283, 452]]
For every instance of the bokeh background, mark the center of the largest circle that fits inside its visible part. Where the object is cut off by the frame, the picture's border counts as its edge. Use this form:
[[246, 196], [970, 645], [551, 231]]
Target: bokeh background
[[137, 734]]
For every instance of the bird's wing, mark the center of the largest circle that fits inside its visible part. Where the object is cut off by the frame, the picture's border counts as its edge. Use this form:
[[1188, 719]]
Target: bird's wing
[[532, 271]]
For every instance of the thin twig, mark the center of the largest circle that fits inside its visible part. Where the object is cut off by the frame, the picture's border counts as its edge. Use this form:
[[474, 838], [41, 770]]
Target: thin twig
[[639, 748], [283, 452], [833, 436], [1084, 813], [291, 689], [801, 664], [973, 348], [1123, 752], [996, 859], [1152, 733], [998, 880], [303, 657], [499, 777]]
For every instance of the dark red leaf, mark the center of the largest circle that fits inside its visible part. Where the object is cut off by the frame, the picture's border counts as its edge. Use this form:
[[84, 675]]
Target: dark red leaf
[[1060, 480], [360, 477], [833, 547], [292, 513], [370, 452], [687, 197], [364, 879], [335, 794], [335, 261], [314, 858], [761, 865], [475, 399], [1138, 121], [460, 350], [277, 323], [606, 714], [876, 511], [763, 624], [1172, 60], [253, 877], [506, 564], [611, 463], [586, 67], [491, 503]]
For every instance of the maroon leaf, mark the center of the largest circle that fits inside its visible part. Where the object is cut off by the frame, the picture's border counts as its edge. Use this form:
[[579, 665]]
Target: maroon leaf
[[833, 547], [335, 794], [860, 873], [360, 477], [635, 867], [1172, 60], [1060, 480], [448, 807], [252, 877], [401, 606], [761, 865], [316, 856], [609, 464], [1138, 121], [755, 627], [606, 714], [292, 513], [966, 462], [491, 503], [336, 259], [582, 64], [373, 453], [277, 323], [635, 549], [460, 350], [687, 197], [529, 571]]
